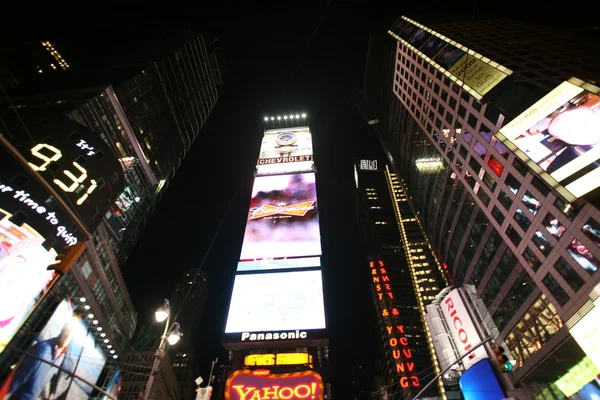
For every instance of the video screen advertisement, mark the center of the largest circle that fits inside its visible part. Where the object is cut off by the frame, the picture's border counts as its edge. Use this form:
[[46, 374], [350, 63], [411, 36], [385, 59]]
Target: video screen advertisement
[[260, 384], [65, 341], [480, 383], [558, 138], [24, 277], [282, 229], [284, 151], [479, 74]]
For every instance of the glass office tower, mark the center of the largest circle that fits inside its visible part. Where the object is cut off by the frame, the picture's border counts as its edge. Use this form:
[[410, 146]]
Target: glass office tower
[[467, 128]]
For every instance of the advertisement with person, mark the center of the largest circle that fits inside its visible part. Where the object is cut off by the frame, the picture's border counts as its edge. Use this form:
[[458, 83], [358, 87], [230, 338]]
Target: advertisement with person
[[65, 342], [23, 274], [561, 133], [283, 223], [284, 151]]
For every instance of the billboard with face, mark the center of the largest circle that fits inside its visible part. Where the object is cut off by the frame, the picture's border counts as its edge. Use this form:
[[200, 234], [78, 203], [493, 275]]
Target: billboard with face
[[283, 224], [23, 274], [276, 301], [285, 150], [559, 135], [65, 341]]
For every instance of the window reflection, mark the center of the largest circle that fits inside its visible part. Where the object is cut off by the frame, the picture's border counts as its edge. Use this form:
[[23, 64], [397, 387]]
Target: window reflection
[[522, 219], [553, 226], [592, 230], [531, 203], [583, 256], [542, 243], [533, 330]]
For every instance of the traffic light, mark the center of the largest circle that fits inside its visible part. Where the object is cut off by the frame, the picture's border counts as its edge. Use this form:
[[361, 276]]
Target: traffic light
[[67, 257], [502, 360]]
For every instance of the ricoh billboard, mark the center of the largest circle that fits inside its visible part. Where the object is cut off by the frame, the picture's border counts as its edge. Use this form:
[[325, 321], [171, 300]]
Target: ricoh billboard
[[282, 230], [285, 150], [559, 137]]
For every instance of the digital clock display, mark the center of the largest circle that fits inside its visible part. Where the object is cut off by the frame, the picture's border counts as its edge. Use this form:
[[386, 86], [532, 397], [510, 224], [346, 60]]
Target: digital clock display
[[74, 161]]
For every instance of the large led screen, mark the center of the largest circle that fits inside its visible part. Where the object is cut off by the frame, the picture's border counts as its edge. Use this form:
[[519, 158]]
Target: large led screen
[[559, 135], [65, 341], [23, 274], [285, 150], [276, 301], [282, 230], [480, 383], [462, 65]]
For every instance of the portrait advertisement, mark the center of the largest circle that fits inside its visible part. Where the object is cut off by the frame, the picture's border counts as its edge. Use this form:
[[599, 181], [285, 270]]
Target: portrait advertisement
[[24, 277], [283, 221], [66, 342], [564, 135]]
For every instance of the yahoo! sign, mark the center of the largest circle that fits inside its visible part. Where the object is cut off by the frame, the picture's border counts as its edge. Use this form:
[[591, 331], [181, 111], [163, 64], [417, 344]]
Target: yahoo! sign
[[256, 385], [462, 329]]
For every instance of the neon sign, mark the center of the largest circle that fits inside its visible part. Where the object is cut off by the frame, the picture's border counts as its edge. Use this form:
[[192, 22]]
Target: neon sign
[[246, 385], [397, 340]]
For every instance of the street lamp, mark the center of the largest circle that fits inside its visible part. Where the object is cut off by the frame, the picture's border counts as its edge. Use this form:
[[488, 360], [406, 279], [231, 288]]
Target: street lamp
[[170, 335]]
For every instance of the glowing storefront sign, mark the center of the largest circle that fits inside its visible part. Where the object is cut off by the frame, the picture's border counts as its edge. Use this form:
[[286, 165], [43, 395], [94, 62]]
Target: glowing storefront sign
[[245, 385], [559, 137], [397, 340], [462, 329], [278, 359], [587, 333]]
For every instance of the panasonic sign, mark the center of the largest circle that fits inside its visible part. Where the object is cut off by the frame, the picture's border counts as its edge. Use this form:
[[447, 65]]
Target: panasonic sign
[[253, 337]]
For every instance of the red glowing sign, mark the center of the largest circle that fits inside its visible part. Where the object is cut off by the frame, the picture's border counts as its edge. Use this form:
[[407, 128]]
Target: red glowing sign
[[397, 340], [245, 385]]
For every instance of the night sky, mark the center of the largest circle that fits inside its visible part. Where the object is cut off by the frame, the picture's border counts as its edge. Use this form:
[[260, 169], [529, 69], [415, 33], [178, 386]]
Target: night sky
[[281, 57]]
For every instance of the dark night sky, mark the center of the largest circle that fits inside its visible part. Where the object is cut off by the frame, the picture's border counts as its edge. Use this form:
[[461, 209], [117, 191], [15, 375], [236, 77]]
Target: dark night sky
[[274, 67]]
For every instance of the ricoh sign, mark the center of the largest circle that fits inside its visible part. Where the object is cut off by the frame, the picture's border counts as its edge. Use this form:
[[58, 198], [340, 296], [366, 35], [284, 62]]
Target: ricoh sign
[[462, 329]]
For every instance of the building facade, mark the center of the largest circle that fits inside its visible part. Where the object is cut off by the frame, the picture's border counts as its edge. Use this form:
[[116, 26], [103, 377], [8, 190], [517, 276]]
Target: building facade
[[497, 212], [148, 109], [136, 370], [404, 276]]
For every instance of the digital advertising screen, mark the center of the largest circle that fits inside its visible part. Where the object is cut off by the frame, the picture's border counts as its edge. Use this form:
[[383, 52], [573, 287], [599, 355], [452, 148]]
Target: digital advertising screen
[[284, 151], [462, 65], [282, 229], [73, 160], [65, 341], [276, 301], [261, 384], [558, 138], [23, 274]]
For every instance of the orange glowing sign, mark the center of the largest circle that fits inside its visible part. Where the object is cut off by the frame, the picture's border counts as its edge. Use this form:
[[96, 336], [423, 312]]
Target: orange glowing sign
[[245, 385]]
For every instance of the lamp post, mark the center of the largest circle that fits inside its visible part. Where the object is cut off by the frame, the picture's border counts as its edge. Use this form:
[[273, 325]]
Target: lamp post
[[170, 335]]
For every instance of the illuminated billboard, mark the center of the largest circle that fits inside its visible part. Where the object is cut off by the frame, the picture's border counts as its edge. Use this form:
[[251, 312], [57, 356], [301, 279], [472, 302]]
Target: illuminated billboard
[[285, 150], [262, 385], [558, 138], [23, 274], [277, 301], [65, 341], [480, 383], [462, 330], [463, 66], [282, 230]]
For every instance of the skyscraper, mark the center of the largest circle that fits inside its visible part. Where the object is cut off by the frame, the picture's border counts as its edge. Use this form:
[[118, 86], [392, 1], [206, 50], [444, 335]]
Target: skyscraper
[[143, 109], [404, 276], [276, 329], [505, 209]]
